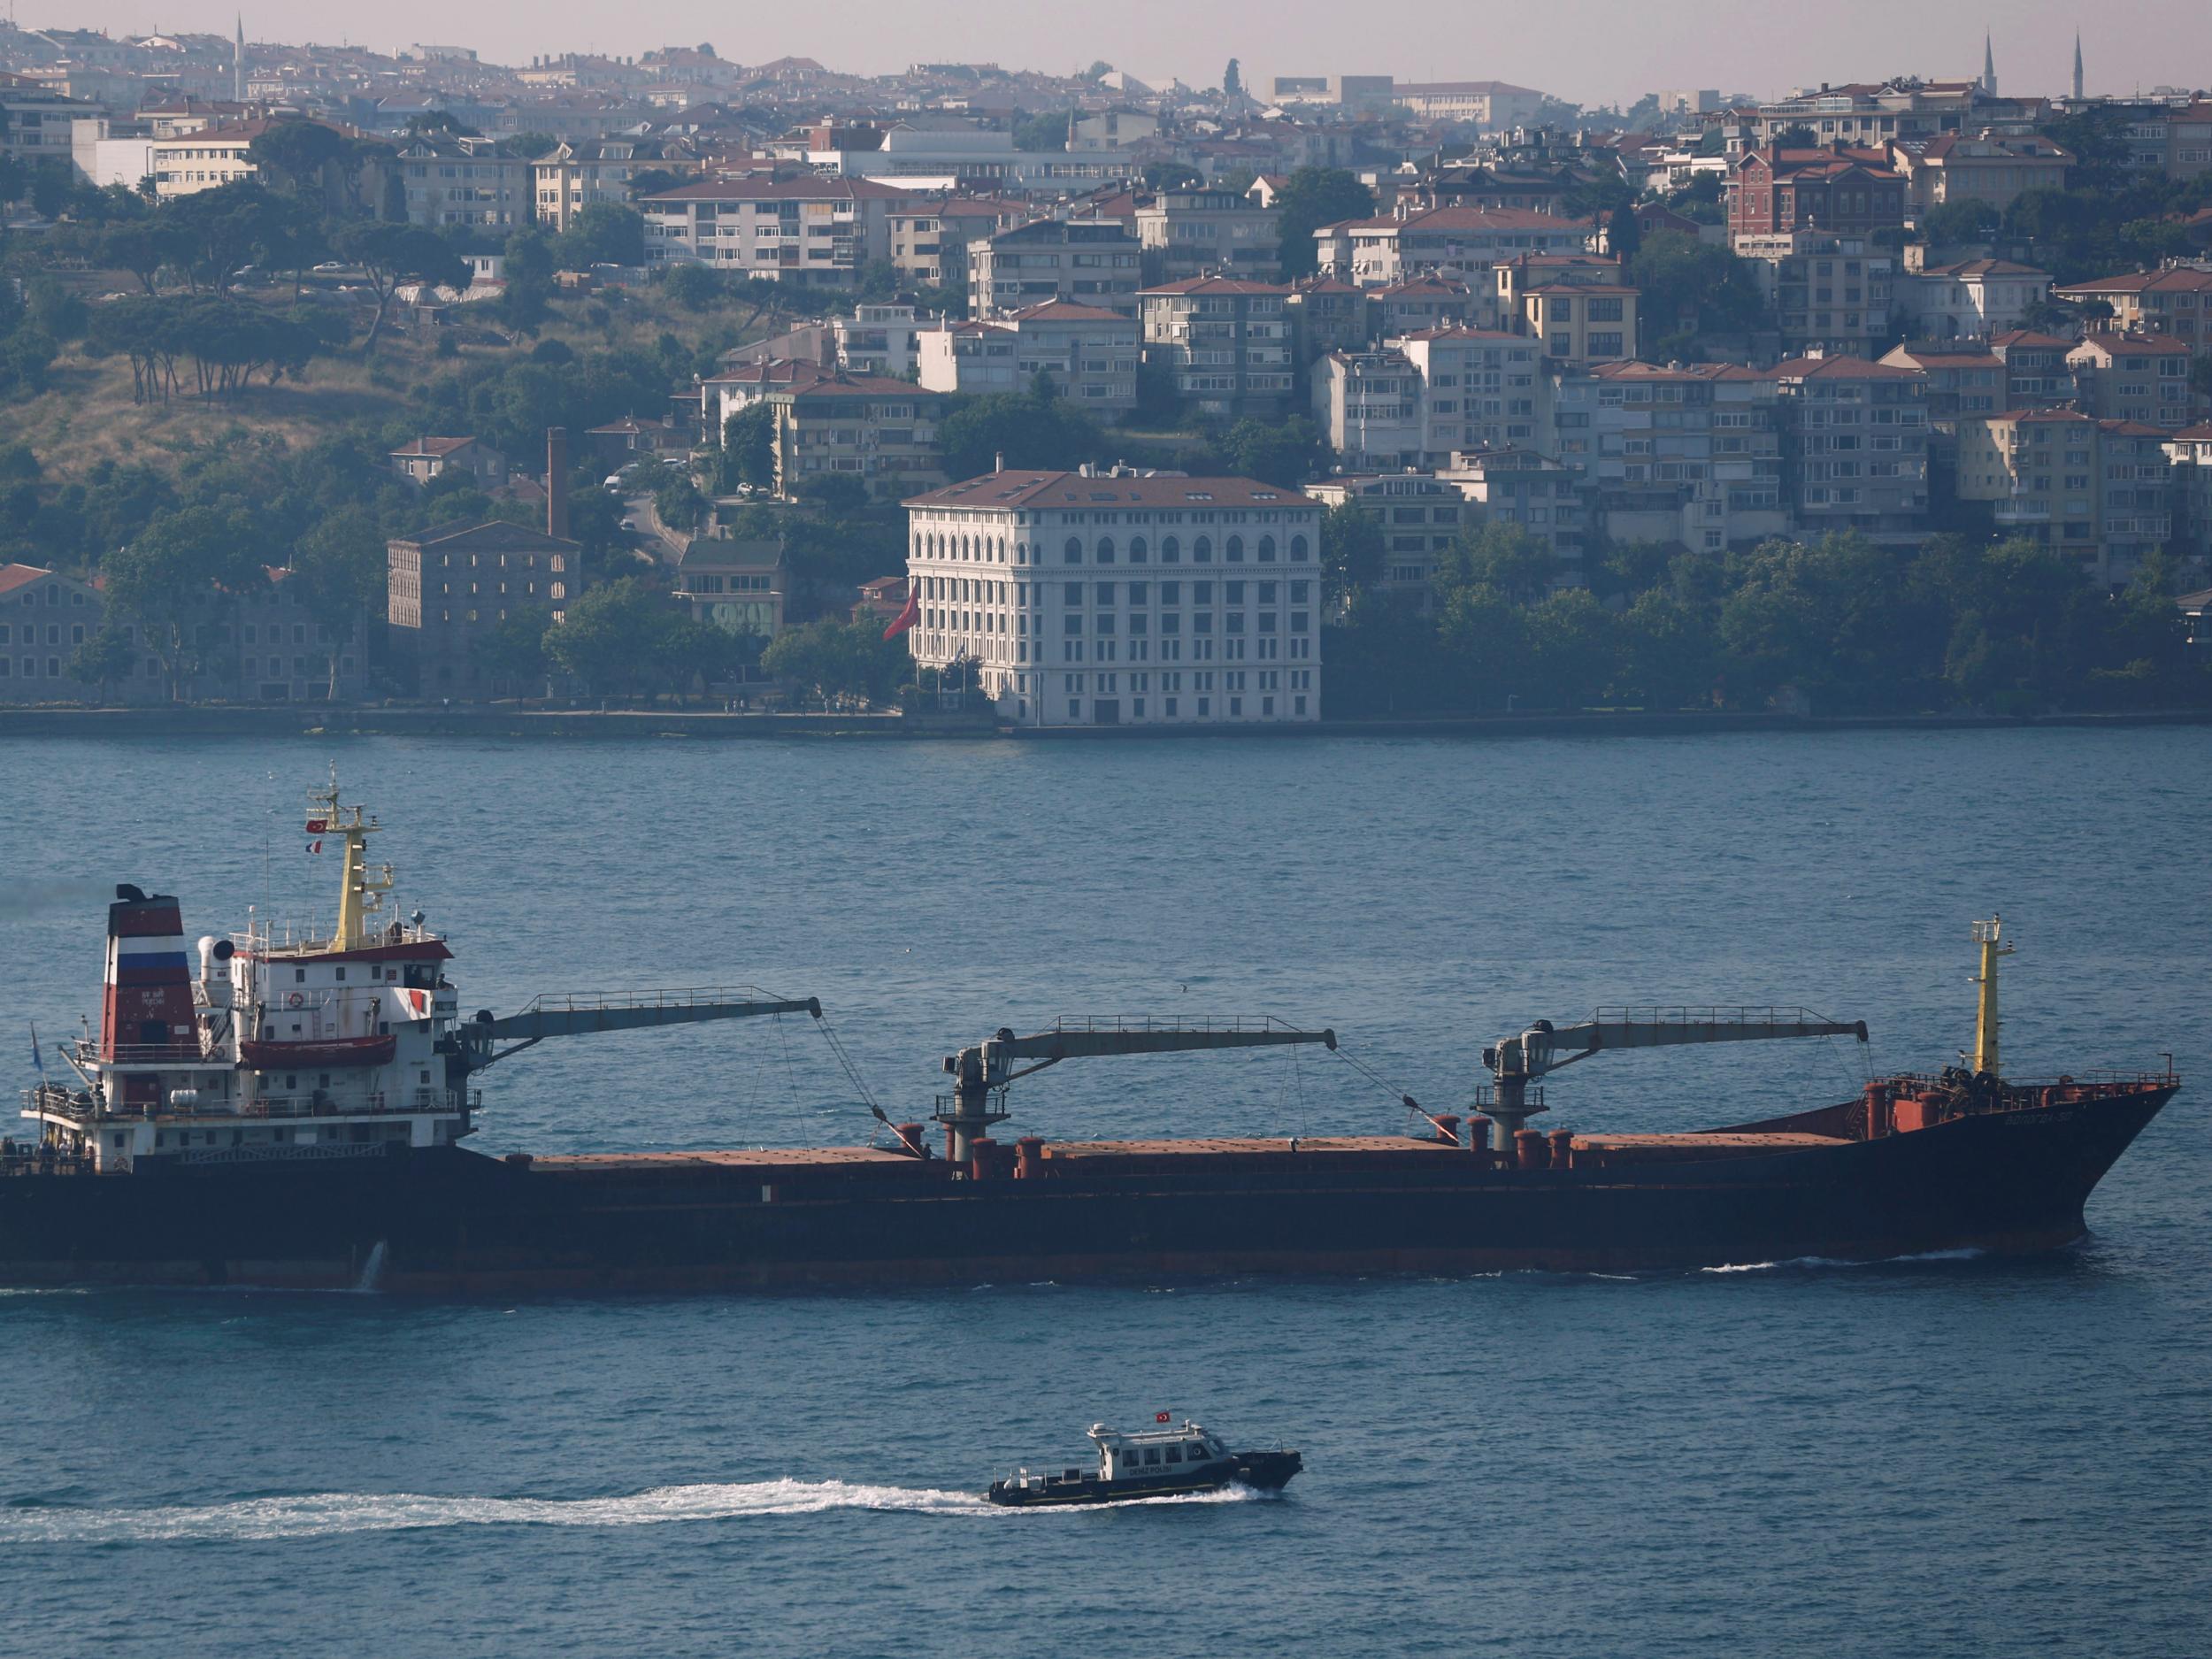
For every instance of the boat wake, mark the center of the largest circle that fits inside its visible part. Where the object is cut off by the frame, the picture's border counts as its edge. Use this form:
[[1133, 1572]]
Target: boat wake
[[330, 1514], [327, 1514], [1966, 1254]]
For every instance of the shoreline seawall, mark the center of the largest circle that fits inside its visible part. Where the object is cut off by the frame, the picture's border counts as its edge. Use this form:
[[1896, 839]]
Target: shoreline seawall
[[292, 720]]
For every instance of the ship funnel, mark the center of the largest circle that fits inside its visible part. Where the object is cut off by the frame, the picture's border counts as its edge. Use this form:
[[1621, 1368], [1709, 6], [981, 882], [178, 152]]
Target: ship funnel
[[146, 1007]]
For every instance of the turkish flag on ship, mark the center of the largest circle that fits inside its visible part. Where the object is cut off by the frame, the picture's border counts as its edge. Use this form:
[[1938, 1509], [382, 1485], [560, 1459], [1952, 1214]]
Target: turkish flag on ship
[[912, 614], [1162, 1416], [317, 825]]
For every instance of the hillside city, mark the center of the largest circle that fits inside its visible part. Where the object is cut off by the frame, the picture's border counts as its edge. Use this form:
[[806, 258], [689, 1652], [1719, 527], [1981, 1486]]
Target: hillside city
[[330, 376]]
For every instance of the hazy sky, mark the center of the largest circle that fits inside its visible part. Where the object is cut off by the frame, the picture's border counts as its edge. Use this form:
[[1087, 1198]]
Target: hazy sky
[[1592, 51]]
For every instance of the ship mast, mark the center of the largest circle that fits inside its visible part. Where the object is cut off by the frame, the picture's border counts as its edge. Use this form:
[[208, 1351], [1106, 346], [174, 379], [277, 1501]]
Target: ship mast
[[1987, 935], [360, 892]]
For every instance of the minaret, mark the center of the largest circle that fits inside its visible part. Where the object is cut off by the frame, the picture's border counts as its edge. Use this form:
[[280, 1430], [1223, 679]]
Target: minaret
[[1989, 67], [2078, 65], [238, 63]]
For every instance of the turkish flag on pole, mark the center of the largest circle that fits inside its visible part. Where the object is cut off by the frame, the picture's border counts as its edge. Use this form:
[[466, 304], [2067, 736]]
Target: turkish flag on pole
[[912, 614], [1162, 1416]]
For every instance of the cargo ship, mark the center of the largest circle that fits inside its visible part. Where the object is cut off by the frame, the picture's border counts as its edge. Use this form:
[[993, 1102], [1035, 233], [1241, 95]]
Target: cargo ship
[[288, 1107]]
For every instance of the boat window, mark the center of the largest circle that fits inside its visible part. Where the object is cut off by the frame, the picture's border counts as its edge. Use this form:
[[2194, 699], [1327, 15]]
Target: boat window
[[1175, 1453], [342, 973], [299, 976], [1151, 1453]]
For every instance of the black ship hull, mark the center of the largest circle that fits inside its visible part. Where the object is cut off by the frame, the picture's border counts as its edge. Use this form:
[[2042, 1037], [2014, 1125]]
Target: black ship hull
[[1260, 1471], [449, 1221]]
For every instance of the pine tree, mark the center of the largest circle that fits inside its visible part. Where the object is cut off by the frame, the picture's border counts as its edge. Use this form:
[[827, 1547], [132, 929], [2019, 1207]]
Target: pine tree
[[1231, 82]]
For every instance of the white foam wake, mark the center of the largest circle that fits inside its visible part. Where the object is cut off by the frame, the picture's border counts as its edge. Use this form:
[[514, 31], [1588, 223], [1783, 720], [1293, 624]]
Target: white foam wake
[[322, 1514], [1967, 1253]]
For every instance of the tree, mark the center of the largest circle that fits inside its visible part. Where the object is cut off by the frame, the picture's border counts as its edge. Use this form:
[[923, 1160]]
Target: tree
[[1503, 557], [1623, 235], [1275, 454], [693, 286], [609, 637], [294, 154], [603, 232], [652, 181], [514, 649], [1049, 131], [169, 576], [1232, 81], [748, 446], [340, 569], [392, 254], [1967, 219], [832, 657], [1048, 435], [104, 659], [1352, 549], [1310, 198], [1690, 288]]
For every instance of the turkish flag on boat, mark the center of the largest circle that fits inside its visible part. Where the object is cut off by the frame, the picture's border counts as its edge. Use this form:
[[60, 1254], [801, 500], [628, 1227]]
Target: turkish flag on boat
[[912, 612], [317, 825], [1162, 1416]]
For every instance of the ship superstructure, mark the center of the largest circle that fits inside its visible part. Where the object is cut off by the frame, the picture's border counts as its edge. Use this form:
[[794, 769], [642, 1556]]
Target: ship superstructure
[[302, 1041]]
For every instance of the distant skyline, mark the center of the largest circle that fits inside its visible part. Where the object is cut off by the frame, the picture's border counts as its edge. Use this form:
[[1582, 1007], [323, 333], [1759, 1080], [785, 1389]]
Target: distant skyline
[[1589, 51]]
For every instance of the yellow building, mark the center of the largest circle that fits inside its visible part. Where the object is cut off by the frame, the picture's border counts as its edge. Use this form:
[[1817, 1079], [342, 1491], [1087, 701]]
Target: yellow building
[[2097, 489]]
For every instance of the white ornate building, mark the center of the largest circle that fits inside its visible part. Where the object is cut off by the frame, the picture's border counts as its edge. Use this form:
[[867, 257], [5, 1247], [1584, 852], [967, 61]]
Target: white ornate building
[[1113, 599]]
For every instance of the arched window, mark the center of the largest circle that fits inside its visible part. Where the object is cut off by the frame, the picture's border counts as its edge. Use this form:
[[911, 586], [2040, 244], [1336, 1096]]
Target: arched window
[[1171, 550], [1137, 549], [1201, 551], [1298, 549], [1105, 549], [1267, 549], [1074, 550], [1233, 552]]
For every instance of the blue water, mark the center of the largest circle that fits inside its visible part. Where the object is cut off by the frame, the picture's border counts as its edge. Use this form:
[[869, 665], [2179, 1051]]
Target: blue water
[[1938, 1457]]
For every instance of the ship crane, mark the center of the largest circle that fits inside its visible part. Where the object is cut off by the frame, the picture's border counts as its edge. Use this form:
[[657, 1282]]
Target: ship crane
[[577, 1015], [984, 1070], [1517, 1062]]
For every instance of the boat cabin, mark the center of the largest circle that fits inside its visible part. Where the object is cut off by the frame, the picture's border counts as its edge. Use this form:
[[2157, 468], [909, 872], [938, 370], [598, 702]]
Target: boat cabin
[[1153, 1453]]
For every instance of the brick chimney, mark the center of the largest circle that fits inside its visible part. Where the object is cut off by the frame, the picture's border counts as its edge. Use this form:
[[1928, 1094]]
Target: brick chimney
[[557, 482]]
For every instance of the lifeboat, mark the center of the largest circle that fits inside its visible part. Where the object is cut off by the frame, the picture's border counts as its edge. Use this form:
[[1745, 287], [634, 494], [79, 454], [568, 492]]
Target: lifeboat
[[323, 1054]]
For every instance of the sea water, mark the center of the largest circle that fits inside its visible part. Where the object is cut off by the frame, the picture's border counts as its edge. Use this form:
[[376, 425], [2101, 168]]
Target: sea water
[[1939, 1456]]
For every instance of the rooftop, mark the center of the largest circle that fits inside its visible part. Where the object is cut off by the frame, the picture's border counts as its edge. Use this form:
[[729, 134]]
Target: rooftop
[[1015, 490]]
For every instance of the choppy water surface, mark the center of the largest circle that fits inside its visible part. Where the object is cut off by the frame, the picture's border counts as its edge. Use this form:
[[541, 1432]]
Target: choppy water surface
[[1947, 1456]]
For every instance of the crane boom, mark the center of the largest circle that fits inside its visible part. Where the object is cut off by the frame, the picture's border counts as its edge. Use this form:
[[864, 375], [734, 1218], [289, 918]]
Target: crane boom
[[991, 1065], [1516, 1061], [595, 1011]]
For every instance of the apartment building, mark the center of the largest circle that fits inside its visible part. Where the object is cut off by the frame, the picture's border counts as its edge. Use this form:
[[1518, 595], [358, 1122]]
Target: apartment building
[[2189, 453], [1420, 514], [1226, 338], [2096, 489], [1832, 295], [582, 171], [1481, 388], [2174, 302], [1961, 383], [1687, 454], [1109, 599], [1462, 242], [877, 339], [815, 231], [930, 235], [738, 586], [1091, 262], [1489, 104], [1997, 168], [464, 181], [882, 432], [1328, 315], [1580, 324], [1089, 353], [1371, 408], [1855, 436], [2036, 369], [37, 123], [1774, 192], [2142, 378], [1424, 302], [1185, 234], [1541, 497], [1970, 299]]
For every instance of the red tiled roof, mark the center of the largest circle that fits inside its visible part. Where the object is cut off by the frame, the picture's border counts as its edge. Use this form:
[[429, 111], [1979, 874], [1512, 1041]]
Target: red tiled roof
[[1217, 285], [2182, 280], [1840, 369], [15, 576], [1013, 490], [1068, 311], [812, 188], [2134, 345], [432, 447]]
